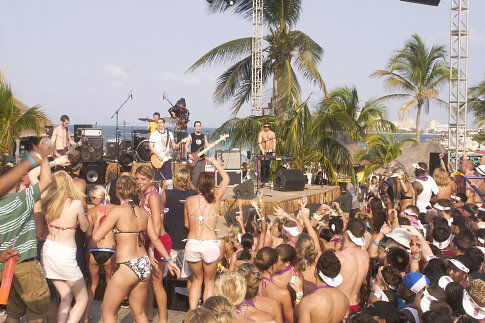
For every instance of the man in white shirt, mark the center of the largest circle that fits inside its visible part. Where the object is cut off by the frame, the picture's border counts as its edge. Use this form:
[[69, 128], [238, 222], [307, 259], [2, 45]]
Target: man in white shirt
[[161, 143], [425, 187]]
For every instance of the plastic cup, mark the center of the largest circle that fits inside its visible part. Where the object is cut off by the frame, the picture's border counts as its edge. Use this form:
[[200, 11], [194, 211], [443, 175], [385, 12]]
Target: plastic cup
[[7, 279]]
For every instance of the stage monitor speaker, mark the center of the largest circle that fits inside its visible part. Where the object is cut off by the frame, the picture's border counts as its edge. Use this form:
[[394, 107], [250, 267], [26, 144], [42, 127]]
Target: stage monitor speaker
[[229, 159], [93, 173], [235, 177], [78, 130], [245, 190], [289, 180], [345, 202], [434, 162], [92, 149], [426, 2]]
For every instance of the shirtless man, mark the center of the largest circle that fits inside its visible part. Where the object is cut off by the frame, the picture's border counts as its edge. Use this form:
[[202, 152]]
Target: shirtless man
[[478, 183], [355, 262], [326, 303], [424, 186], [267, 145], [61, 138]]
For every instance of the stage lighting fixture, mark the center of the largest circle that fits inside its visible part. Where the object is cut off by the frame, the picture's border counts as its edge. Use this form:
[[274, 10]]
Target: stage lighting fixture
[[426, 2]]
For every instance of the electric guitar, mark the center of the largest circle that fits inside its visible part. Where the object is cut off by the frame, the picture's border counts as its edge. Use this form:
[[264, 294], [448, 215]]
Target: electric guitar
[[157, 162], [194, 157]]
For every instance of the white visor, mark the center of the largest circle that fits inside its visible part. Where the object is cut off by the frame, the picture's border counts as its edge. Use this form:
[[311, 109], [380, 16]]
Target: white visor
[[459, 265], [409, 212], [481, 248], [480, 170], [442, 245], [292, 230], [441, 208], [419, 285], [471, 308], [379, 293], [481, 208], [394, 175], [418, 167], [482, 241], [333, 282], [426, 301], [444, 281], [358, 241], [456, 198]]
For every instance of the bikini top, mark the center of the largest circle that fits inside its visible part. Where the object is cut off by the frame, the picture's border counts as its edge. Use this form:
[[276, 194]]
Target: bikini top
[[285, 270], [264, 281], [62, 228], [201, 218], [318, 287], [141, 233], [146, 206]]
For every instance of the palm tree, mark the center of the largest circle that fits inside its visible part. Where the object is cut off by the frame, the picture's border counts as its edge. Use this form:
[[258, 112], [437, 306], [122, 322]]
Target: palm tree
[[417, 72], [284, 50], [380, 151], [13, 121], [356, 120], [476, 102]]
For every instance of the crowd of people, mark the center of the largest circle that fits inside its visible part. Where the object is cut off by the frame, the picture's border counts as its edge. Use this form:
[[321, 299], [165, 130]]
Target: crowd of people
[[412, 252]]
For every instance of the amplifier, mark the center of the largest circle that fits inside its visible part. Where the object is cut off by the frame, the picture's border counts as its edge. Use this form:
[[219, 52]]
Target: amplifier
[[229, 159], [78, 130], [235, 177], [92, 132], [92, 149]]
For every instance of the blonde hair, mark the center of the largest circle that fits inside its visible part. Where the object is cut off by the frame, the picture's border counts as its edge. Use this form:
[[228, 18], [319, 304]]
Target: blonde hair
[[476, 289], [232, 286], [127, 188], [441, 177], [233, 231], [200, 315], [221, 308], [305, 252], [61, 189], [98, 192], [252, 275], [145, 170], [181, 179]]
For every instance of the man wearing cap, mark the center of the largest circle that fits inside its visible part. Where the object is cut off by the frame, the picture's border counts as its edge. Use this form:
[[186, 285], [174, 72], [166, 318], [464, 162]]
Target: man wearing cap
[[355, 262], [326, 303], [458, 269], [412, 284], [424, 186]]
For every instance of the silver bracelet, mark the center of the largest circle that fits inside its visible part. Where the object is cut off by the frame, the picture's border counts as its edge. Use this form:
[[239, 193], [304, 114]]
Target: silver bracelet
[[36, 154]]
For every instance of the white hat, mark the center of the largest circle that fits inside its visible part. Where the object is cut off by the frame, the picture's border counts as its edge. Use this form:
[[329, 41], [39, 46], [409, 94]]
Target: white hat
[[401, 236], [334, 282], [441, 208], [480, 169], [471, 308], [456, 198], [444, 281], [409, 212], [458, 264], [358, 241], [442, 245], [395, 175], [418, 167], [292, 230], [426, 301]]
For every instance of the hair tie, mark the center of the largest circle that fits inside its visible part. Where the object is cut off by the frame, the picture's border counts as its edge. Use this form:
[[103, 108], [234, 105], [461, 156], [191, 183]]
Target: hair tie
[[333, 227]]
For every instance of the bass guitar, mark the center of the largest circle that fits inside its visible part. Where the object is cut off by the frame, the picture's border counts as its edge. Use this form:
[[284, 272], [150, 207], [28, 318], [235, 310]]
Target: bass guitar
[[157, 162], [194, 157]]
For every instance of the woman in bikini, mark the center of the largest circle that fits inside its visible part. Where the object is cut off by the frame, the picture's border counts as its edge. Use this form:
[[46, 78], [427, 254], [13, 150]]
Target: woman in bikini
[[63, 210], [100, 253], [202, 250], [152, 202], [266, 261], [130, 224]]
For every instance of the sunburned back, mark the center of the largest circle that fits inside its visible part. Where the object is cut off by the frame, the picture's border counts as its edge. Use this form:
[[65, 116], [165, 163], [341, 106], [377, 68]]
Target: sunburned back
[[63, 229], [324, 305], [254, 313], [109, 239], [355, 265], [270, 306], [445, 192], [132, 226], [201, 217]]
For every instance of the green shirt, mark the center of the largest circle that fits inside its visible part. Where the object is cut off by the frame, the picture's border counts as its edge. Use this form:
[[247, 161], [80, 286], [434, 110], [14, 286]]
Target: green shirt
[[17, 222]]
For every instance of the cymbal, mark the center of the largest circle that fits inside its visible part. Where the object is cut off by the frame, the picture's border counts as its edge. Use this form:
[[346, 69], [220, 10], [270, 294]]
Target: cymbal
[[146, 119], [141, 131]]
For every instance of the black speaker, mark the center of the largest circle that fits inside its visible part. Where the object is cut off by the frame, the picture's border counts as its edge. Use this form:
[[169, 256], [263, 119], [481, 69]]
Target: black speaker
[[92, 149], [78, 130], [244, 190], [93, 172], [234, 177], [434, 161], [289, 180], [345, 202]]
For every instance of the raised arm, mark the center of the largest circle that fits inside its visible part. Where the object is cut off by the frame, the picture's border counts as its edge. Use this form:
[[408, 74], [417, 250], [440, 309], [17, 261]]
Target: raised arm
[[219, 192], [305, 214]]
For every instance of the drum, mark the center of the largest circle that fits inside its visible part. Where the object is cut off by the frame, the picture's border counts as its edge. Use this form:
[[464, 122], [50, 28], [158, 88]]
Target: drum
[[143, 153]]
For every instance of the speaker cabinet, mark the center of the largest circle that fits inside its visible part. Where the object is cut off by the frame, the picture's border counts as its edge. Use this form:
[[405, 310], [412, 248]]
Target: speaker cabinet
[[229, 159], [93, 173], [111, 150], [235, 177], [92, 149], [78, 130], [289, 180], [345, 202], [244, 190]]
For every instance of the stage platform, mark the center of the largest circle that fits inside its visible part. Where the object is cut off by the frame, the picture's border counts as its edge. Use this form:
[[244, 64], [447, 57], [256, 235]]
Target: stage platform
[[288, 201]]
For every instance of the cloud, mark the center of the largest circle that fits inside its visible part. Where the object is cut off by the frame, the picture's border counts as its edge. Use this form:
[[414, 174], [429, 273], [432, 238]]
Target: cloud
[[116, 71]]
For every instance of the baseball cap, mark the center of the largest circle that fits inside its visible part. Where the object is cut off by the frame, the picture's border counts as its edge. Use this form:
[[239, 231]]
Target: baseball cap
[[415, 282]]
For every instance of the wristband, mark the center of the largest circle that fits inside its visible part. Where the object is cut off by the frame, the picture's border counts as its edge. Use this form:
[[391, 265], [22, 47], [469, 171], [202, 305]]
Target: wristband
[[340, 212], [32, 161], [298, 300], [167, 259], [299, 295], [315, 217], [36, 154], [375, 243], [239, 212], [415, 258], [150, 250], [395, 220]]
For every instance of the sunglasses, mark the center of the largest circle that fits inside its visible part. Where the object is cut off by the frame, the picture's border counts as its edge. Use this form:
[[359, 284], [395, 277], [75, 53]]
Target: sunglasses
[[265, 126]]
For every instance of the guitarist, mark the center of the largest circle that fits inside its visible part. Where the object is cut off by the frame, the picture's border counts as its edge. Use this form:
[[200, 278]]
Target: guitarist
[[61, 138], [161, 142], [197, 142]]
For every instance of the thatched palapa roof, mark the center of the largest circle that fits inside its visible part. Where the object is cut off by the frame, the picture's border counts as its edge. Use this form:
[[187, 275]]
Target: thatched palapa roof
[[23, 108], [352, 146]]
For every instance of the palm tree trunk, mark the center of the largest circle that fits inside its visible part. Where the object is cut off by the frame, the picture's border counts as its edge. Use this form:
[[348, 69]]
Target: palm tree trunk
[[418, 123]]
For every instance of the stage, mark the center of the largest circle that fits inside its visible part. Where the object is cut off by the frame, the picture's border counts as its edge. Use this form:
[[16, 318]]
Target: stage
[[288, 201]]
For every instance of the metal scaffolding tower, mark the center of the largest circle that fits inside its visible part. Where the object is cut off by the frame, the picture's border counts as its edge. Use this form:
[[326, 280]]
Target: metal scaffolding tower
[[458, 106], [257, 60]]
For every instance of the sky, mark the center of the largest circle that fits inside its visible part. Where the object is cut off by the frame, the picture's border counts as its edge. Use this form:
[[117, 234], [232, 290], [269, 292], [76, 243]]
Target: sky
[[82, 58]]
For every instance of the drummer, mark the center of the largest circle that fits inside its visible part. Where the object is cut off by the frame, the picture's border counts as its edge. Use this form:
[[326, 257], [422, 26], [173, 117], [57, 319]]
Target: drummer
[[152, 125]]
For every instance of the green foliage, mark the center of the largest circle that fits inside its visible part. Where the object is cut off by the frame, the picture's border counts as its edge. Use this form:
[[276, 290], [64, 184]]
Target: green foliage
[[476, 102], [380, 151], [417, 73], [479, 138]]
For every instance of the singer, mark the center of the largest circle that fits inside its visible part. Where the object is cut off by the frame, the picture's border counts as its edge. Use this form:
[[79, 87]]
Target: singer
[[267, 146]]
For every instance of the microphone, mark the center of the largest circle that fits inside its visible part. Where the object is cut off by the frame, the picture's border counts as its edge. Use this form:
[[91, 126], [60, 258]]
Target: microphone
[[163, 96], [131, 96]]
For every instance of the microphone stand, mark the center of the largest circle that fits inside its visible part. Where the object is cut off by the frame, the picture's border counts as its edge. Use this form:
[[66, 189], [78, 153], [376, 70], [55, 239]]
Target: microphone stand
[[117, 128]]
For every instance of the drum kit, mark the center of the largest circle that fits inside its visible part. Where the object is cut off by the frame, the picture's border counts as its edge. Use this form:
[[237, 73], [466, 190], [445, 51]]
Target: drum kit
[[138, 145]]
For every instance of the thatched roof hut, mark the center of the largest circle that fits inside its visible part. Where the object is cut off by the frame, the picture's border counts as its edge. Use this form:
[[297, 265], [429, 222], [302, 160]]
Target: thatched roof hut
[[352, 146], [413, 153], [23, 108]]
